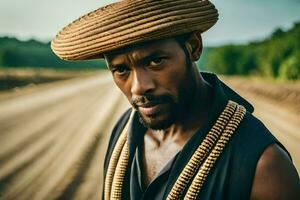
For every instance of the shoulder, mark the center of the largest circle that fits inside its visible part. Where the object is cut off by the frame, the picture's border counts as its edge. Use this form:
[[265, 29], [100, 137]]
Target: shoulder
[[252, 132], [253, 124], [275, 176], [251, 139], [261, 163]]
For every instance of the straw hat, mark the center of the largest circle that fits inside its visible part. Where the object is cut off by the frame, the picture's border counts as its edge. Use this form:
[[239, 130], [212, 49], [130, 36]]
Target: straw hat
[[129, 22]]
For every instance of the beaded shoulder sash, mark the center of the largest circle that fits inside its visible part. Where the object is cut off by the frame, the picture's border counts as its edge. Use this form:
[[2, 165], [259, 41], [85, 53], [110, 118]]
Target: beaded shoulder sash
[[195, 171]]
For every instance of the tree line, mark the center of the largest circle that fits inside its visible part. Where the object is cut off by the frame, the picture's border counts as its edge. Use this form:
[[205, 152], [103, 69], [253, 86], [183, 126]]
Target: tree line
[[278, 56], [32, 53]]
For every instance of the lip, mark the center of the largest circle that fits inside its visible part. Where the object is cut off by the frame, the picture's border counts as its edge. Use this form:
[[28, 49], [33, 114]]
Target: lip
[[149, 110]]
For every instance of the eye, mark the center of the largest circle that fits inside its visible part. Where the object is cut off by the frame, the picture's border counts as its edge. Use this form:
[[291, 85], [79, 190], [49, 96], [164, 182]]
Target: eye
[[120, 70], [157, 61]]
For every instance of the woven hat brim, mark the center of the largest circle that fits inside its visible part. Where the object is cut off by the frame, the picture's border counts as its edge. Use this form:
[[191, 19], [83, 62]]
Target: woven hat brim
[[130, 22]]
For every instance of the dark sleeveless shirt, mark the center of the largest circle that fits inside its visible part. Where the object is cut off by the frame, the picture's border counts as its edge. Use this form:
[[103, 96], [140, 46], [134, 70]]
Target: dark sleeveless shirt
[[233, 173]]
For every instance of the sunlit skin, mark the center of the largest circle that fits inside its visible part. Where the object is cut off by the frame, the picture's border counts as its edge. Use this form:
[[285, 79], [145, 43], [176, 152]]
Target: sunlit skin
[[160, 69]]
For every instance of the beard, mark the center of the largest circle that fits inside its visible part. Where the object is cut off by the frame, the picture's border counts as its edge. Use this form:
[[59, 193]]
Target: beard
[[171, 108], [166, 114]]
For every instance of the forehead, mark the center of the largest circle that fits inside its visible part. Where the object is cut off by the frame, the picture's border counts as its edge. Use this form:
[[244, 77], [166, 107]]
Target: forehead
[[143, 49]]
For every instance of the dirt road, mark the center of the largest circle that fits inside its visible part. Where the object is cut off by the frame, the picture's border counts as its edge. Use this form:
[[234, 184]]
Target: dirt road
[[53, 137]]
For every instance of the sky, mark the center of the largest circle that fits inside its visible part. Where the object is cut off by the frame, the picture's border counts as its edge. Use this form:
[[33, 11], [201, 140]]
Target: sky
[[240, 21]]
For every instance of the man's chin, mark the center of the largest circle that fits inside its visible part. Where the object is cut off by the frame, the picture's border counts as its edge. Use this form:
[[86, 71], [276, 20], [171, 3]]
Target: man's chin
[[156, 122]]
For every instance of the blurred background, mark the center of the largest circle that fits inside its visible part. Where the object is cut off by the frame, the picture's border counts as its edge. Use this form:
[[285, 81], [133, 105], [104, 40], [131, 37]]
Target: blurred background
[[56, 116]]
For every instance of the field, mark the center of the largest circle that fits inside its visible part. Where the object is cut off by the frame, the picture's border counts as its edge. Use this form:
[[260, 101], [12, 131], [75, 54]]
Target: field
[[53, 135]]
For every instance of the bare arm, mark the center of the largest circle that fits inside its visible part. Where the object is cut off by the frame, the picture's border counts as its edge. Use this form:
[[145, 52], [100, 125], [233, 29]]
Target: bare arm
[[275, 177]]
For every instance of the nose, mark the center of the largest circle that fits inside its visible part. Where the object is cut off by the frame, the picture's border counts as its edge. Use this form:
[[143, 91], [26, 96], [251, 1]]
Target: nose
[[142, 82]]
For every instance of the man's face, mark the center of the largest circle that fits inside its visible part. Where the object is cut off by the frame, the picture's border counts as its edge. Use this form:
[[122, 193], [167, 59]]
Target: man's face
[[156, 80]]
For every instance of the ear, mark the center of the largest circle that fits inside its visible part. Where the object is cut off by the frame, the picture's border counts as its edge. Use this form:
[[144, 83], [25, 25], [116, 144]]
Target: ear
[[194, 46]]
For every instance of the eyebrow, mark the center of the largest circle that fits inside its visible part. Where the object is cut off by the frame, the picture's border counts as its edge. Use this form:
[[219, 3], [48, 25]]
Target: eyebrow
[[143, 59]]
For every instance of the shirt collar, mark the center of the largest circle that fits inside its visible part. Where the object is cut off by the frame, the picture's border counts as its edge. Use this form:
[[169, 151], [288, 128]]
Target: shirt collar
[[224, 92]]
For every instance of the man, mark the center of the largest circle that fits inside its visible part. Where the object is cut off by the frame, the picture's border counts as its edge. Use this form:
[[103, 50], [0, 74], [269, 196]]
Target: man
[[188, 135]]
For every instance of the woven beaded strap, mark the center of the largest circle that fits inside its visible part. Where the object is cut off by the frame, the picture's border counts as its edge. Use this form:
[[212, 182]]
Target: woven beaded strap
[[203, 158], [202, 152], [117, 166], [205, 168]]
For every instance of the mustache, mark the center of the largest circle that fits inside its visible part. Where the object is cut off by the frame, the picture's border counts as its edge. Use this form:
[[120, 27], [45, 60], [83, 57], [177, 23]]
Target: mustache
[[148, 100]]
